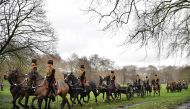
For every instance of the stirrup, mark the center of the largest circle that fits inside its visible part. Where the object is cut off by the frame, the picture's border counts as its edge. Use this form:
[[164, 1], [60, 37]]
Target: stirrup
[[33, 87]]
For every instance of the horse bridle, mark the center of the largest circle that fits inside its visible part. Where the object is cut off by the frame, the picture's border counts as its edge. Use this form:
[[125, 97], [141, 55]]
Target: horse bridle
[[15, 84], [67, 78]]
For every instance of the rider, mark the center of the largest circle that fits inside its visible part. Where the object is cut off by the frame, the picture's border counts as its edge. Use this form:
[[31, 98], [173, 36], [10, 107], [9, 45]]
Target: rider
[[82, 77], [147, 80], [32, 75], [112, 77], [51, 79], [157, 80], [138, 80]]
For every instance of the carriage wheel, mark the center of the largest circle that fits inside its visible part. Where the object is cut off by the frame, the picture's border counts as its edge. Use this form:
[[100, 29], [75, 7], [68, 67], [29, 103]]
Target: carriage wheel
[[129, 93]]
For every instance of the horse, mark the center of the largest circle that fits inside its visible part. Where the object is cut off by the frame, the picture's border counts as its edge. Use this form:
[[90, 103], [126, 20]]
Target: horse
[[155, 87], [168, 87], [179, 86], [42, 92], [102, 87], [111, 88], [184, 85], [74, 91], [77, 90], [148, 88], [19, 88], [138, 89]]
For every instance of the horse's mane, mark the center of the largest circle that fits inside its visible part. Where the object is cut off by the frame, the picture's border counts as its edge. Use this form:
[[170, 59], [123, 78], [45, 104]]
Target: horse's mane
[[38, 76], [18, 71], [74, 77]]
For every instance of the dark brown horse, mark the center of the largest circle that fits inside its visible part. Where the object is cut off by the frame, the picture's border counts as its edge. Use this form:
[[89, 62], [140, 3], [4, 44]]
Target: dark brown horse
[[155, 87], [148, 88], [111, 88], [41, 92], [18, 88], [76, 90]]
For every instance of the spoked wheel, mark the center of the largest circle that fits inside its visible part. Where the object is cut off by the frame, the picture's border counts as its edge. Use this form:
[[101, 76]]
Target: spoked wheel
[[129, 93]]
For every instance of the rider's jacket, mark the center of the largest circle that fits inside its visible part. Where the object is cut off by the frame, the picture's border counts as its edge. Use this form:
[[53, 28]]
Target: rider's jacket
[[51, 76], [82, 77]]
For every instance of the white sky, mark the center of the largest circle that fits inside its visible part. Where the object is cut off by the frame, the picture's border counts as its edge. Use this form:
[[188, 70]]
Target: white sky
[[78, 35]]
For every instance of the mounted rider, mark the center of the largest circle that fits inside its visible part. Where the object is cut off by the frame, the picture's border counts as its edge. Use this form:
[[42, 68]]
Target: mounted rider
[[157, 80], [51, 79], [82, 77], [33, 74], [138, 80], [112, 78], [147, 80]]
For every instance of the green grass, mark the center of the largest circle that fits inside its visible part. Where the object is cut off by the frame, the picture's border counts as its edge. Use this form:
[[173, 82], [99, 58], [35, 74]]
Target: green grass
[[166, 100]]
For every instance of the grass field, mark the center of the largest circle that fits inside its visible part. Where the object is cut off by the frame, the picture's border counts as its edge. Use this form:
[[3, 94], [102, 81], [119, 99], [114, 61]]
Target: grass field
[[165, 101]]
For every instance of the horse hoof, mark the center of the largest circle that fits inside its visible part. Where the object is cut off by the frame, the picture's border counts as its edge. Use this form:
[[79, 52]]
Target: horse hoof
[[27, 107], [33, 107], [16, 107]]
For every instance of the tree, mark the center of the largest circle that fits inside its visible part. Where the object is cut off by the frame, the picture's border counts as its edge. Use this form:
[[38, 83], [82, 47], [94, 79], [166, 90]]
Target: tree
[[162, 23], [100, 63], [72, 62], [24, 29], [151, 71]]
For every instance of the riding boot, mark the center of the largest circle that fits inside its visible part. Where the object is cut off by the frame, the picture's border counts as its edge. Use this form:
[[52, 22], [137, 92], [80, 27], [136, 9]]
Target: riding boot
[[53, 94]]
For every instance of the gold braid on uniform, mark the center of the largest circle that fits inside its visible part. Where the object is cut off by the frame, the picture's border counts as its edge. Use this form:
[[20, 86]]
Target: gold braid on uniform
[[49, 71]]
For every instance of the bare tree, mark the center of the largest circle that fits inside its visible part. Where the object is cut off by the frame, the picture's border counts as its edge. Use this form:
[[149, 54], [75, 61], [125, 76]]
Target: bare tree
[[163, 23], [24, 28]]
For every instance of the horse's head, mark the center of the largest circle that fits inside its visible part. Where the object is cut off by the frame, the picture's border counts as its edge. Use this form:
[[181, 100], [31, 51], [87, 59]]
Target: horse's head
[[66, 77], [104, 81], [70, 78], [11, 75]]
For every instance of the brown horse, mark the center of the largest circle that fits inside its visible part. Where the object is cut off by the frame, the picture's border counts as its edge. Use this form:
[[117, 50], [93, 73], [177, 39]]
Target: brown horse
[[18, 88], [155, 87], [41, 91]]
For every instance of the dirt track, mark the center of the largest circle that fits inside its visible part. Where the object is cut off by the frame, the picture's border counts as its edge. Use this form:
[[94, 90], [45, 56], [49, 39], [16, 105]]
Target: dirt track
[[185, 105]]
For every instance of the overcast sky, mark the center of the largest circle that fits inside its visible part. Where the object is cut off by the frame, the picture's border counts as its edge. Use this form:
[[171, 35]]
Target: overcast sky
[[77, 34]]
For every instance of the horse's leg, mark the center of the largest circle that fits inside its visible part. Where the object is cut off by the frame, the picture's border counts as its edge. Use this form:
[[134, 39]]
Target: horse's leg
[[88, 97], [46, 101], [33, 99], [108, 96], [26, 101], [19, 101], [49, 101], [113, 97], [103, 96], [15, 97], [68, 103], [159, 92], [79, 100], [63, 103], [40, 103], [95, 95]]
